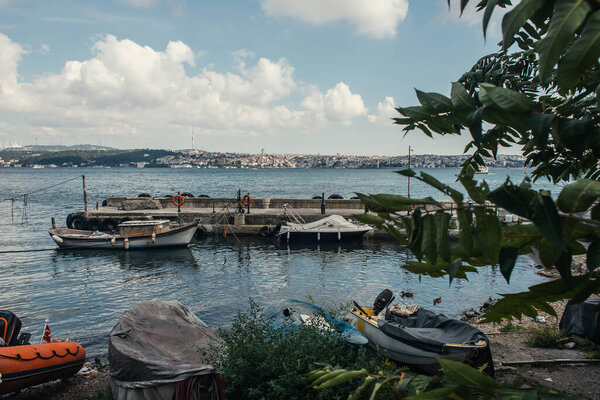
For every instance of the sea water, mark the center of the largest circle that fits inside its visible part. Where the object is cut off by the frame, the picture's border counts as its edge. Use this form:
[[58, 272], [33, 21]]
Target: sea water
[[84, 292]]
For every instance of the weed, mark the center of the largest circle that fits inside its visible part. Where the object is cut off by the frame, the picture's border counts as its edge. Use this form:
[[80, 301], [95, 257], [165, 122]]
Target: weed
[[261, 361], [546, 336]]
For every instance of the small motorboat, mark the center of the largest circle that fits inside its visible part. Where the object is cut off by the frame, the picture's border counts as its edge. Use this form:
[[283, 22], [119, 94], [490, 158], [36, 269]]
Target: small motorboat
[[129, 235], [23, 364], [333, 228], [296, 313], [417, 336]]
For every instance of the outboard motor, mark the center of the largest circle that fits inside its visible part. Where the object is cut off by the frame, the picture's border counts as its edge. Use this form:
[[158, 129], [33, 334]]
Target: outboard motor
[[383, 300], [10, 325]]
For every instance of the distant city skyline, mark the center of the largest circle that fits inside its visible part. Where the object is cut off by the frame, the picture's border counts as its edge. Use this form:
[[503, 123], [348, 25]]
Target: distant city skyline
[[304, 76]]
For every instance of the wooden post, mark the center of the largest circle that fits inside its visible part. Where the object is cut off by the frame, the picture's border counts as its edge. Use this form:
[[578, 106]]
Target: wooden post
[[85, 206], [323, 203], [408, 168], [53, 223]]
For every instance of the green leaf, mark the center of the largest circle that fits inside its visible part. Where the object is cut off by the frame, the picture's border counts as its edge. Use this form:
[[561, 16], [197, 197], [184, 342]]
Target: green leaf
[[415, 240], [462, 374], [442, 221], [537, 297], [506, 99], [563, 264], [545, 217], [516, 18], [429, 239], [488, 234], [507, 260], [571, 133], [474, 123], [581, 55], [487, 14], [447, 190], [465, 233], [454, 267], [568, 15], [514, 199], [434, 101], [461, 100], [416, 113], [541, 125], [477, 193], [593, 254], [391, 203], [435, 271], [578, 196], [435, 394], [596, 212], [370, 219], [548, 253]]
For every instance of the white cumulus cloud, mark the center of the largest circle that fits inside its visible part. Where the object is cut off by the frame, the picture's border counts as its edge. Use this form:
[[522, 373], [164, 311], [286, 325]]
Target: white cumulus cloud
[[134, 92], [375, 18], [385, 112]]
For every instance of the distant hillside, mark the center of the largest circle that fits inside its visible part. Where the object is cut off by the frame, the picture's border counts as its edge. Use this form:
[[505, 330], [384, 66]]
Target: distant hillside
[[111, 158], [65, 148]]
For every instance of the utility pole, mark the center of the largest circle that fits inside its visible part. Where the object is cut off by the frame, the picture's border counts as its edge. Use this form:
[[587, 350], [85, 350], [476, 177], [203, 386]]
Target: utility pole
[[409, 168]]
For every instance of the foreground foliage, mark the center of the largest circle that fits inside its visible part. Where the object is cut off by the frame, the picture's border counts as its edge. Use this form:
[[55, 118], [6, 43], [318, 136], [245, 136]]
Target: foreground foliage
[[261, 361], [547, 337], [458, 381]]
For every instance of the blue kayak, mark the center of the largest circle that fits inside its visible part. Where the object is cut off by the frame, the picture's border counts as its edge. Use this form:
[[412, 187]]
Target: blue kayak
[[297, 313]]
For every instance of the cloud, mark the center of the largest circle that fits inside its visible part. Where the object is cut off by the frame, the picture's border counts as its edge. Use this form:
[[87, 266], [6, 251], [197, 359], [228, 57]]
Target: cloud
[[141, 3], [386, 110], [374, 18], [137, 93]]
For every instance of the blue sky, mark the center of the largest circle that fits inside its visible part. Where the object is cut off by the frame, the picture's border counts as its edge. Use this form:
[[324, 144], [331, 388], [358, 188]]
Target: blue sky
[[289, 76]]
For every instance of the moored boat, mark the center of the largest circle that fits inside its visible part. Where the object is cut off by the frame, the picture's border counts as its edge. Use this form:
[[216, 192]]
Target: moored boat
[[333, 228], [418, 336], [23, 364], [129, 235], [296, 313]]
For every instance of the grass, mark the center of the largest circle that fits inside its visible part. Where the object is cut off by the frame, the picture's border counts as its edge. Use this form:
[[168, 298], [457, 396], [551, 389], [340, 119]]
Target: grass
[[546, 337]]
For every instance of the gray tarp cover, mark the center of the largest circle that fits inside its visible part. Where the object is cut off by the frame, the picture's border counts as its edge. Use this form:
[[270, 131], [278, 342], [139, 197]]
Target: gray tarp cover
[[156, 343], [582, 319]]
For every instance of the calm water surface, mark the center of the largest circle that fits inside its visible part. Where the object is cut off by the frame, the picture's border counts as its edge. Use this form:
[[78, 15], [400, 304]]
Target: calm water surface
[[83, 293]]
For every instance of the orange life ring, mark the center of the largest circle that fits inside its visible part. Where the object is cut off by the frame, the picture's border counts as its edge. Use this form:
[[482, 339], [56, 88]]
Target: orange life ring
[[247, 200], [178, 200]]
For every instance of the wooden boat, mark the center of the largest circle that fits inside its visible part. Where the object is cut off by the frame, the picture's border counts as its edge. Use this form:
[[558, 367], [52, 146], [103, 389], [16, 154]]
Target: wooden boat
[[333, 228], [296, 313], [129, 235], [417, 339], [24, 365]]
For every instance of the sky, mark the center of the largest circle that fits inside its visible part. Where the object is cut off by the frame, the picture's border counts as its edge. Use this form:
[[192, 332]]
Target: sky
[[286, 76]]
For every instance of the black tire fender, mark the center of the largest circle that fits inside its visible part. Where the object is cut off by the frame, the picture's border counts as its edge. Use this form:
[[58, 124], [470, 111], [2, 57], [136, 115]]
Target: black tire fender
[[79, 222], [144, 195], [109, 224]]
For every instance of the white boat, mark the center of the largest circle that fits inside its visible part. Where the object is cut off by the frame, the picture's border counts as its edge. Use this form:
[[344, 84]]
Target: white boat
[[417, 338], [129, 235], [334, 228], [482, 169]]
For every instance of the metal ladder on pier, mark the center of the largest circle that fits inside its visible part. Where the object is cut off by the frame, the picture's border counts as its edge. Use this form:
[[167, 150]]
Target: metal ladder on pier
[[292, 214]]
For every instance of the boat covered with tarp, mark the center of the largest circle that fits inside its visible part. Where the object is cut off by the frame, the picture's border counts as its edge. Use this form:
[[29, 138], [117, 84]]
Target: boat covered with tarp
[[333, 228], [293, 313], [157, 351], [416, 336]]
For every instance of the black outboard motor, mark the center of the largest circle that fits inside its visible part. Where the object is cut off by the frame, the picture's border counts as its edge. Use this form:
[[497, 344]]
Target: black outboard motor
[[10, 325], [383, 300]]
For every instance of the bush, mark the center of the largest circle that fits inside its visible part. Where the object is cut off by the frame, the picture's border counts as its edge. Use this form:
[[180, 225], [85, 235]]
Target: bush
[[260, 361], [511, 328], [546, 336]]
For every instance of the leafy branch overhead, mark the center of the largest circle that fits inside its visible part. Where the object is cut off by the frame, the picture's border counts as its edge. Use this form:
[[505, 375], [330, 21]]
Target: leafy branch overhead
[[552, 229], [543, 97]]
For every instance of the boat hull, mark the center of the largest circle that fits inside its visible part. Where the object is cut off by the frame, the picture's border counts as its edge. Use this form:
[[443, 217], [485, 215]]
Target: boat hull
[[24, 366], [405, 353], [177, 237], [322, 236]]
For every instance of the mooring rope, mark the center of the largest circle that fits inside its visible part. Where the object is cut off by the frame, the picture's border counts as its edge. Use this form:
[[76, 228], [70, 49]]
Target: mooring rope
[[13, 198]]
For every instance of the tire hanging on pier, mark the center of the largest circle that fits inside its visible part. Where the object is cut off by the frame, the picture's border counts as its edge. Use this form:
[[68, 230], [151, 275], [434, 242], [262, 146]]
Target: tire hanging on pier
[[336, 196], [95, 224], [109, 224], [79, 222], [187, 194], [144, 195]]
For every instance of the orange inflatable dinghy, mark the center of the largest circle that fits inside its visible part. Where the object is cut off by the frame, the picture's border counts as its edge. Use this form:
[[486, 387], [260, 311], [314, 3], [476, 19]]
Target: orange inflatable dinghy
[[23, 364]]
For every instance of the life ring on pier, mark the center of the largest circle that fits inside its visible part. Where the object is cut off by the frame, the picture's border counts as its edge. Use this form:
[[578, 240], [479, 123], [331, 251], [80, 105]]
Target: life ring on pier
[[246, 200], [178, 200]]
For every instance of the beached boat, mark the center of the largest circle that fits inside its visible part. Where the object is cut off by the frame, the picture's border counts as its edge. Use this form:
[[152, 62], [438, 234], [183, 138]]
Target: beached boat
[[23, 364], [333, 228], [295, 313], [416, 336], [129, 235], [482, 169]]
